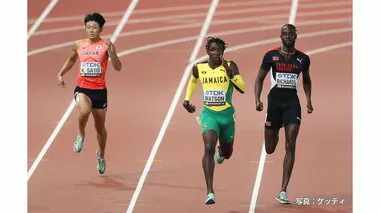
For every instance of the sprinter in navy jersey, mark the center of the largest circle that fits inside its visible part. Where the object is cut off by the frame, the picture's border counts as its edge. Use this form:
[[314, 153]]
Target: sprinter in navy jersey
[[284, 64]]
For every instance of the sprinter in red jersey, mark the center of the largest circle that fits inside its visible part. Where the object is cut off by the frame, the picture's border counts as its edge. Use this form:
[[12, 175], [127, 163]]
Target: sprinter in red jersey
[[91, 91]]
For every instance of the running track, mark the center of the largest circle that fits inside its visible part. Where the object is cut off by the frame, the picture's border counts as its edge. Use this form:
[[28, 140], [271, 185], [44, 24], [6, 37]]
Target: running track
[[141, 94]]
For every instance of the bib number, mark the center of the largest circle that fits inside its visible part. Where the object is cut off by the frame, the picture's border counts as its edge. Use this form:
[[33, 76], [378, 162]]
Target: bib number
[[214, 97], [286, 80], [90, 69]]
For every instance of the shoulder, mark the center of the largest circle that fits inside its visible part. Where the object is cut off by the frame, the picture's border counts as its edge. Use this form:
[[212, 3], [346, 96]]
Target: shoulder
[[272, 51], [232, 63], [303, 55], [78, 43], [200, 63]]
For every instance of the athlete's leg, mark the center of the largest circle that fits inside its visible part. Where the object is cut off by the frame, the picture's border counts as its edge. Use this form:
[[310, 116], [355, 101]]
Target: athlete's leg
[[271, 139], [210, 132], [84, 107], [291, 133], [292, 121], [210, 138], [273, 124], [226, 136], [101, 131]]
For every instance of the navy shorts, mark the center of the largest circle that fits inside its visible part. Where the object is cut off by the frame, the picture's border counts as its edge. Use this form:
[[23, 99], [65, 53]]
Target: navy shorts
[[97, 97], [280, 113]]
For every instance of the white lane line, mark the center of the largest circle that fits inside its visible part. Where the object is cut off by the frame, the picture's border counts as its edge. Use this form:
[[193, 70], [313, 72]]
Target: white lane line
[[225, 33], [267, 27], [293, 12], [177, 27], [173, 105], [124, 20], [166, 9], [190, 15], [42, 17], [59, 126]]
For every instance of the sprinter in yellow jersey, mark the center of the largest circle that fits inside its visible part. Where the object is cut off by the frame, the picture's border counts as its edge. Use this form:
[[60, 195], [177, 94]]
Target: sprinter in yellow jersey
[[218, 77]]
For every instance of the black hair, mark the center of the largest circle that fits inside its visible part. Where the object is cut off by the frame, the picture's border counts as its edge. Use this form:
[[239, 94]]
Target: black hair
[[95, 17], [291, 26], [217, 41]]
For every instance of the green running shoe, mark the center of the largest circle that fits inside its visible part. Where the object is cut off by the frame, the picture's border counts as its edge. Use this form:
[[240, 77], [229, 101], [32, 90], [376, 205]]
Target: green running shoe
[[101, 163], [219, 159], [210, 199], [78, 144], [282, 197]]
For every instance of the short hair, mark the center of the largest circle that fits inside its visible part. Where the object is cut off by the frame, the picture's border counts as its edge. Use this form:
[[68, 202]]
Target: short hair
[[291, 26], [95, 17], [217, 41]]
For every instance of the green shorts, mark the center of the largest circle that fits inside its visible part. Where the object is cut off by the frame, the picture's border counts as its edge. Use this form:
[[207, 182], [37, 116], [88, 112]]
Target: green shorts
[[223, 122]]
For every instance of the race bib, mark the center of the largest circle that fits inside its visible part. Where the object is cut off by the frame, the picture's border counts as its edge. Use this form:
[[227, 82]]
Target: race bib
[[90, 69], [214, 97], [286, 80]]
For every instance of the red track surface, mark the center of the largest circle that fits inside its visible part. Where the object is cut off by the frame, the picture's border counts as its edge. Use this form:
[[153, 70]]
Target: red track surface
[[139, 98]]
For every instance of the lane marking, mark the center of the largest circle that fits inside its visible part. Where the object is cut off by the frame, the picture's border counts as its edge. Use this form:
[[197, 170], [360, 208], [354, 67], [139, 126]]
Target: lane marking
[[173, 104], [180, 17], [42, 17], [165, 9], [233, 32], [191, 25], [67, 113]]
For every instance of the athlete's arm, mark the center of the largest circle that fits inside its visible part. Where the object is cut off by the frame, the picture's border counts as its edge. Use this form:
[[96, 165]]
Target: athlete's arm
[[264, 68], [306, 80], [68, 64], [192, 85], [116, 63], [234, 74]]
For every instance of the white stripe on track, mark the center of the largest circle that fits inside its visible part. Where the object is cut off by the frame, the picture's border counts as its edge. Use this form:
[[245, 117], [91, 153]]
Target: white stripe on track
[[42, 17]]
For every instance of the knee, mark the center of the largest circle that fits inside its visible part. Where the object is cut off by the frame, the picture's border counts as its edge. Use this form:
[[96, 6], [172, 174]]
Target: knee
[[209, 148], [270, 147], [290, 146], [227, 153], [269, 150], [100, 129], [84, 115]]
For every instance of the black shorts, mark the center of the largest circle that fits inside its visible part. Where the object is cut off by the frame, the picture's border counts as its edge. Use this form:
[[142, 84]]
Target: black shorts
[[97, 97], [280, 113]]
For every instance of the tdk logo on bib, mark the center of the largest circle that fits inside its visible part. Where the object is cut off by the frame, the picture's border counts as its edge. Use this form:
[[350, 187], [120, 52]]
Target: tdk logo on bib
[[91, 69], [286, 80], [214, 92], [286, 76], [214, 97], [90, 65]]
